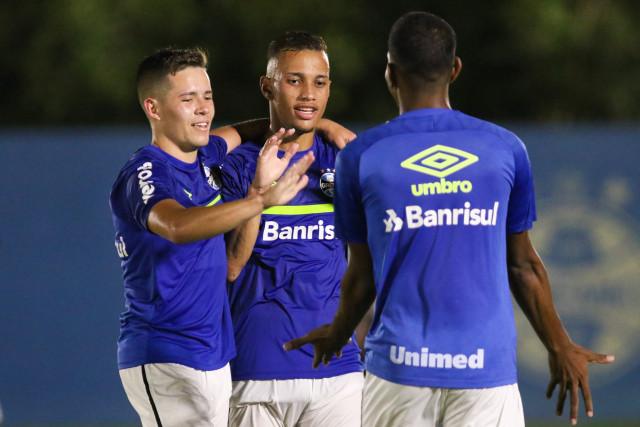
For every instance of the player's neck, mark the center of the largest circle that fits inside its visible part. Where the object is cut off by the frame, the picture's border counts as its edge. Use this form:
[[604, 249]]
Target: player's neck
[[174, 150], [304, 141], [410, 101]]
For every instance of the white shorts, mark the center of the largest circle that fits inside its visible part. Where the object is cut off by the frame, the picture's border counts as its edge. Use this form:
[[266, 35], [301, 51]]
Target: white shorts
[[168, 394], [389, 404], [322, 402]]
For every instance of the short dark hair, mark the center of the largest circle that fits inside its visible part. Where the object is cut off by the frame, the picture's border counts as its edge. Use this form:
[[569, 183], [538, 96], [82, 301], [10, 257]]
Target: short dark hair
[[164, 62], [295, 41], [423, 44]]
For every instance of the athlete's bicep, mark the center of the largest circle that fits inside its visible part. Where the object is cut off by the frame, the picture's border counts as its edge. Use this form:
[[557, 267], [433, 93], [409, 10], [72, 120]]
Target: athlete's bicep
[[163, 218]]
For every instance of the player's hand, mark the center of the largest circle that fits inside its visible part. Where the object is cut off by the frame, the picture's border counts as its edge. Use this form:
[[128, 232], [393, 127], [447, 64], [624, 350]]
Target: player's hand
[[289, 184], [336, 134], [269, 167], [325, 344], [569, 371]]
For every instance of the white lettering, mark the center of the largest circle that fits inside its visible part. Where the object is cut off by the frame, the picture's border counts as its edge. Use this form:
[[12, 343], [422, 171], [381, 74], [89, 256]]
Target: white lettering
[[146, 185], [393, 222], [121, 248], [399, 355], [272, 231], [416, 218]]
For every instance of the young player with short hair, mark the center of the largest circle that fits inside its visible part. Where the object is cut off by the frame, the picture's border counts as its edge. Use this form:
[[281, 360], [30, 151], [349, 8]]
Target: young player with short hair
[[436, 207], [176, 335], [286, 264]]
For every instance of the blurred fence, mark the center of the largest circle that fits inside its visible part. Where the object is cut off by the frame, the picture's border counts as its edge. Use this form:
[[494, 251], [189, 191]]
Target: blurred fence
[[61, 290]]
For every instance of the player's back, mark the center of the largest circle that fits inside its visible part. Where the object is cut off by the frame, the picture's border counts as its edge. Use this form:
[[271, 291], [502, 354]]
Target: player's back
[[439, 190]]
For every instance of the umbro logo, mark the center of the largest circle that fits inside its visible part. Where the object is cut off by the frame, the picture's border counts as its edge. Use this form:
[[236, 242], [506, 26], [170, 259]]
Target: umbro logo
[[439, 161]]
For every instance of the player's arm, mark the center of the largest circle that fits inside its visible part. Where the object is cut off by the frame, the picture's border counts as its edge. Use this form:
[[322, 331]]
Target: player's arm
[[335, 133], [256, 129], [241, 240], [236, 134], [357, 293], [568, 362], [239, 245], [180, 225]]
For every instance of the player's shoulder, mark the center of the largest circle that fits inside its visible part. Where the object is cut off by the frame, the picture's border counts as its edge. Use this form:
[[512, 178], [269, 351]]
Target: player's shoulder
[[487, 126], [366, 139], [242, 157], [147, 157], [324, 147], [246, 149]]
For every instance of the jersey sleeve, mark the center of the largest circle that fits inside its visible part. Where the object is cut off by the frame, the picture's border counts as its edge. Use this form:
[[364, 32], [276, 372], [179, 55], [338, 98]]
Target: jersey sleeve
[[147, 183], [522, 206], [350, 219], [215, 150], [235, 182]]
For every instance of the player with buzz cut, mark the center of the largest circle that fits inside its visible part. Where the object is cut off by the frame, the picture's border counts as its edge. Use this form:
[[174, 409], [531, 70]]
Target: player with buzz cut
[[286, 264], [442, 265], [176, 337]]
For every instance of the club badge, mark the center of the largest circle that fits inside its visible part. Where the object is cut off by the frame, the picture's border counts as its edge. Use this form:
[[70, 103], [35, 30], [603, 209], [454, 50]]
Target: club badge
[[212, 178], [326, 181]]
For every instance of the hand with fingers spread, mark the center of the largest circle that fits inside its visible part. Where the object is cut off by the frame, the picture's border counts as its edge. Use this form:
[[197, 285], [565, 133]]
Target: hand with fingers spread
[[269, 166], [326, 344], [289, 184], [569, 371]]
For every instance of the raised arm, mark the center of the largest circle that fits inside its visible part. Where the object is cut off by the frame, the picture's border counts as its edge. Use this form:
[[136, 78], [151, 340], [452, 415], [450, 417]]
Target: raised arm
[[256, 129], [182, 225], [568, 362], [357, 293], [236, 134], [241, 240]]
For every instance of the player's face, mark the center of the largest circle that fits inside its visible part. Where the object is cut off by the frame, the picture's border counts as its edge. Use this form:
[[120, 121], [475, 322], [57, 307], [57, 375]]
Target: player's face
[[186, 109], [300, 85]]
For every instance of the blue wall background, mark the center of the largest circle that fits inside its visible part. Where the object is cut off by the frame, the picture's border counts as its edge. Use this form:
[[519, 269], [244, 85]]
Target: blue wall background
[[61, 290]]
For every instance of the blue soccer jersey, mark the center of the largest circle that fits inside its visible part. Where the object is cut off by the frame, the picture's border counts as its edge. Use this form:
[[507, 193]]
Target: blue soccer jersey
[[177, 308], [291, 283], [434, 193]]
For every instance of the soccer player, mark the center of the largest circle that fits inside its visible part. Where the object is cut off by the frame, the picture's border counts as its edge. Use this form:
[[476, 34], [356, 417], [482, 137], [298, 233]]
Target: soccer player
[[176, 335], [286, 264], [436, 207]]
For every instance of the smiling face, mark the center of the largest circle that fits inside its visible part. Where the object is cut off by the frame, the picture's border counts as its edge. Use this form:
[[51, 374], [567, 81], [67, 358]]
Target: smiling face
[[297, 87], [182, 112]]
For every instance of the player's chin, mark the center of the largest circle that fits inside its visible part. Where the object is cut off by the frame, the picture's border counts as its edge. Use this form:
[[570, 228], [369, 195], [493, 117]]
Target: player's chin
[[304, 129]]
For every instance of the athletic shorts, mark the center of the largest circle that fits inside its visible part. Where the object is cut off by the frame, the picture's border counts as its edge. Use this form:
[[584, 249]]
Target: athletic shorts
[[168, 394], [334, 401], [387, 404]]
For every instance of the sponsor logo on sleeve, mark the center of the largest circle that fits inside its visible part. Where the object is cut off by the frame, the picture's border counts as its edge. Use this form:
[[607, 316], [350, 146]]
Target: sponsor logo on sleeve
[[145, 173]]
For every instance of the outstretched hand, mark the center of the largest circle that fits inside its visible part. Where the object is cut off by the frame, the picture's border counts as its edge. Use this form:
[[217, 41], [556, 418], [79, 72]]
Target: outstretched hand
[[270, 167], [325, 344], [289, 184], [569, 371]]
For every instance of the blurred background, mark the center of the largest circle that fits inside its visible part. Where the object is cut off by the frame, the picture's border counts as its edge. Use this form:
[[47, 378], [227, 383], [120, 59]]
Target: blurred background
[[563, 74]]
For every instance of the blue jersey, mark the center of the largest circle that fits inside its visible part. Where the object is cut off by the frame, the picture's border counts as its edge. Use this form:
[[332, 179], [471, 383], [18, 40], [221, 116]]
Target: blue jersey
[[291, 283], [434, 193], [177, 308]]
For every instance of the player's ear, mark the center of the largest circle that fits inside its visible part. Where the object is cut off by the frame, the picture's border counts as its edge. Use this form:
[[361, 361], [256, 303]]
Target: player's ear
[[150, 106], [266, 87], [455, 71], [391, 75]]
